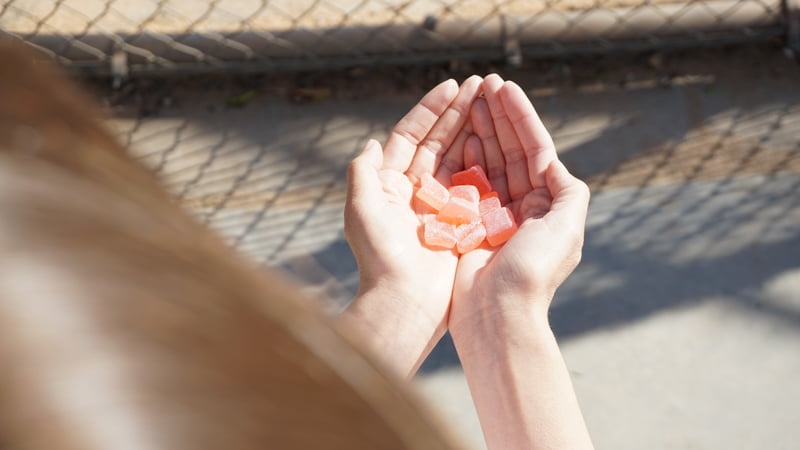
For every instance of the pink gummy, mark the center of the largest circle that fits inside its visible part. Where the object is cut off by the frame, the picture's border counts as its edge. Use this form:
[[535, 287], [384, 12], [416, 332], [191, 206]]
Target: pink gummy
[[426, 217], [470, 236], [488, 204], [432, 193], [439, 234], [500, 226], [474, 176], [467, 192]]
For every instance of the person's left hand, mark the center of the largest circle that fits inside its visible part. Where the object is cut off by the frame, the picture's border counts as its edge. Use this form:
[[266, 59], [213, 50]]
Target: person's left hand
[[516, 281], [405, 287]]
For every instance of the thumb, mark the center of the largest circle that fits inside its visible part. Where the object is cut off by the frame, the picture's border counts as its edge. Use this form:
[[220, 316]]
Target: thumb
[[570, 198], [363, 180]]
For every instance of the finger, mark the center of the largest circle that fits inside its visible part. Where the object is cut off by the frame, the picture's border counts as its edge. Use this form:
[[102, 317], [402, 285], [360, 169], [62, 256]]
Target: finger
[[363, 176], [516, 167], [441, 137], [414, 126], [570, 198], [453, 159], [535, 205], [473, 153], [537, 144], [495, 162]]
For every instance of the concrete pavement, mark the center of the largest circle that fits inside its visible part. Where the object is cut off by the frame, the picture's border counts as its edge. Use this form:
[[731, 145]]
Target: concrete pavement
[[681, 327]]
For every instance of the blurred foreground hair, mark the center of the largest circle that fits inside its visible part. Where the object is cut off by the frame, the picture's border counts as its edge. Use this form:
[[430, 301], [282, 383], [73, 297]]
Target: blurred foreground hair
[[124, 324]]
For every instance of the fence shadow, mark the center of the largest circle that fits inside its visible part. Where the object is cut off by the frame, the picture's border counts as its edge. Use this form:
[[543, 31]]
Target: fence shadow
[[701, 207], [695, 187]]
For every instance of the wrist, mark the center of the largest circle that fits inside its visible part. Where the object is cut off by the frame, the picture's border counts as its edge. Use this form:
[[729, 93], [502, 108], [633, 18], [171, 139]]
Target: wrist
[[388, 300], [393, 325], [519, 382], [484, 323]]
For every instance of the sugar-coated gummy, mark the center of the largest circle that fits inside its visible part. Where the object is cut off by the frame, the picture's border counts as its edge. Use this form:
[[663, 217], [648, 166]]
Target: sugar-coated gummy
[[458, 211], [489, 204], [500, 226], [474, 176], [432, 193], [467, 192], [470, 236], [439, 234]]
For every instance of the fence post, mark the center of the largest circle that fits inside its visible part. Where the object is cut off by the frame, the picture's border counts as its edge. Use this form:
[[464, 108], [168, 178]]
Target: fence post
[[119, 67], [791, 9]]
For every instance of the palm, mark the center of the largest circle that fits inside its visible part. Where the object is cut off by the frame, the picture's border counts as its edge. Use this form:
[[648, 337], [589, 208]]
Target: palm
[[409, 292], [516, 150], [381, 224], [402, 248], [507, 267]]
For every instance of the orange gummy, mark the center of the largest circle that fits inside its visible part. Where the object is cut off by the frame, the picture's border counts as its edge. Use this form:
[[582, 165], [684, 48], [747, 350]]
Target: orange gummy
[[431, 192], [474, 176], [439, 234], [458, 211], [422, 208], [470, 236], [489, 203], [467, 192], [500, 226], [462, 207]]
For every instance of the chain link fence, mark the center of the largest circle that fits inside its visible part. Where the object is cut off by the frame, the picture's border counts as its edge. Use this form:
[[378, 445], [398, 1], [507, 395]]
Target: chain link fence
[[275, 191], [121, 37]]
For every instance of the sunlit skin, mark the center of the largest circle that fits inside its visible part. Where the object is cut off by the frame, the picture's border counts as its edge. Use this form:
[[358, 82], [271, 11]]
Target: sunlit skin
[[519, 382], [494, 300], [549, 204], [405, 287]]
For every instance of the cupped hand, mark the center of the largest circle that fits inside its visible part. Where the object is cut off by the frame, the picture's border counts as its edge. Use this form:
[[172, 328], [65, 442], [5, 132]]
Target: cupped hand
[[519, 278], [405, 287]]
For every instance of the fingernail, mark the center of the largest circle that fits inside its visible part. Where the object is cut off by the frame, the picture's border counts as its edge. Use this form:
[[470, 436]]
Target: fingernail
[[449, 81], [371, 144], [493, 76]]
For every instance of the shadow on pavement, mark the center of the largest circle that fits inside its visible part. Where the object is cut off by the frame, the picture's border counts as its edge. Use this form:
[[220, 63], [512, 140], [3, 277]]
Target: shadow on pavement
[[695, 188]]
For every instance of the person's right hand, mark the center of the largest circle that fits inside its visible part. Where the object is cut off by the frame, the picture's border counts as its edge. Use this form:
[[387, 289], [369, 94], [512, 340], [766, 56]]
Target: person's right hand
[[514, 284], [405, 288]]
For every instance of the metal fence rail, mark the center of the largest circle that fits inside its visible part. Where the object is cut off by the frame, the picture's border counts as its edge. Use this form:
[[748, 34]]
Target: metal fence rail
[[101, 37]]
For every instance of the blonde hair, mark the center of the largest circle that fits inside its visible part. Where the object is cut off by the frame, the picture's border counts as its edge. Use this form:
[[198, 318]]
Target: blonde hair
[[126, 325]]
